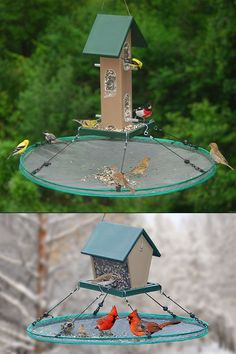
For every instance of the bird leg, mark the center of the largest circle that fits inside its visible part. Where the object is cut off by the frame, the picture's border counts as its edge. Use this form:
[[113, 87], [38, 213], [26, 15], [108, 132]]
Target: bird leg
[[118, 188], [101, 333]]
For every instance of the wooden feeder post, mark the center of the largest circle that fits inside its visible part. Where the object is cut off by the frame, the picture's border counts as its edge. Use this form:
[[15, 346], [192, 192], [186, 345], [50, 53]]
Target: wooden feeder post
[[112, 38]]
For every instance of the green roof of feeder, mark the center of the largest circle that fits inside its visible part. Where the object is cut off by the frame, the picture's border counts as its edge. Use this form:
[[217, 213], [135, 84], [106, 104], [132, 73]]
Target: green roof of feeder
[[108, 35], [115, 241]]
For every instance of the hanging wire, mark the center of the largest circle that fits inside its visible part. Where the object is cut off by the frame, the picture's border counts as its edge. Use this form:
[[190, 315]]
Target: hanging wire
[[47, 314], [48, 162], [186, 161], [102, 4], [126, 5], [80, 314], [192, 315], [127, 8], [164, 308], [103, 217], [124, 153], [185, 142]]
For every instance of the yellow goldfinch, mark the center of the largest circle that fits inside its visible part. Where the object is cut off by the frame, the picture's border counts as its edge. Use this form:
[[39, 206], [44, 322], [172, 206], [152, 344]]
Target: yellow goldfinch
[[134, 63], [87, 123], [217, 155], [20, 148]]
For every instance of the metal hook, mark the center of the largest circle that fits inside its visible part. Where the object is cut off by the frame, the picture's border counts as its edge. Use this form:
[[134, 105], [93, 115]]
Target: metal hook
[[146, 130]]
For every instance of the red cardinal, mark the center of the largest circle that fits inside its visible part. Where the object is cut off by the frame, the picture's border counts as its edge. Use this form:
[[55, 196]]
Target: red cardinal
[[140, 327], [106, 323], [143, 112]]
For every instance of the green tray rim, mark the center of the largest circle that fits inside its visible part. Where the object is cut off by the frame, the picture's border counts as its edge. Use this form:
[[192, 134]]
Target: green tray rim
[[99, 341], [92, 191]]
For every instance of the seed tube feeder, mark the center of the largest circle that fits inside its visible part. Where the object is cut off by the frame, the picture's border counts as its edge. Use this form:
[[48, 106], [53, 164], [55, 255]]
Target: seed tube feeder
[[130, 245], [82, 164]]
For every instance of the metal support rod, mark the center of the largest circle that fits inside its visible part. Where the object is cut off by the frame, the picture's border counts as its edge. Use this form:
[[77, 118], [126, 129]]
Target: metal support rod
[[164, 308], [125, 149], [46, 314], [97, 65], [191, 314]]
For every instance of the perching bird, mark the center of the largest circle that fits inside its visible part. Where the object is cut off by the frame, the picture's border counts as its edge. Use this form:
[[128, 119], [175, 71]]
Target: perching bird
[[143, 112], [87, 123], [105, 279], [141, 166], [217, 155], [120, 179], [140, 327], [134, 63], [20, 148], [105, 323], [50, 138], [67, 327], [81, 331]]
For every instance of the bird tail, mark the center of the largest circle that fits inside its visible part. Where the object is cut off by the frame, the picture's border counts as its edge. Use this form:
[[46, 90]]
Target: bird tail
[[9, 156], [165, 324], [230, 166], [130, 188]]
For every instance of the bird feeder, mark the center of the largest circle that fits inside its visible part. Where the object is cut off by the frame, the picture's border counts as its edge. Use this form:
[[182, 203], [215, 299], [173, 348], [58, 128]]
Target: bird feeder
[[112, 38], [81, 164], [123, 251]]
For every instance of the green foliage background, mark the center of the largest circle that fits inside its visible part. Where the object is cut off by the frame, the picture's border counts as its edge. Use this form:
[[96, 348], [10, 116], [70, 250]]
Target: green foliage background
[[189, 75]]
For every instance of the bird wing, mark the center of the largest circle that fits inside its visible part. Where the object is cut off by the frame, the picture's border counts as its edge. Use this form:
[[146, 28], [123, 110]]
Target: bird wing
[[19, 147], [219, 154], [102, 321]]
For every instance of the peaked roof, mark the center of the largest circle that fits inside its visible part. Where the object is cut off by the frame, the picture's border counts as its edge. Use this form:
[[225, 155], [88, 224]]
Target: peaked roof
[[115, 241], [108, 35]]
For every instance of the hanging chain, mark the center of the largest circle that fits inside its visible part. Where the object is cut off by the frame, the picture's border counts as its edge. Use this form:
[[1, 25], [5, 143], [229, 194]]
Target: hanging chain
[[191, 314], [47, 314], [100, 304], [127, 301], [164, 308]]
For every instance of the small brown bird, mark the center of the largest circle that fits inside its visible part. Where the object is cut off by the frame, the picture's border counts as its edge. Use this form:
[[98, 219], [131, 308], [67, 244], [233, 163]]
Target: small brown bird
[[120, 179], [140, 327], [105, 279], [67, 327], [217, 155], [141, 166], [81, 331], [50, 138]]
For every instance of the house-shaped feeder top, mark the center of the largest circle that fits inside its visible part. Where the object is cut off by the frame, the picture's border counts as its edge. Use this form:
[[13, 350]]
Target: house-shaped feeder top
[[109, 33], [115, 241]]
